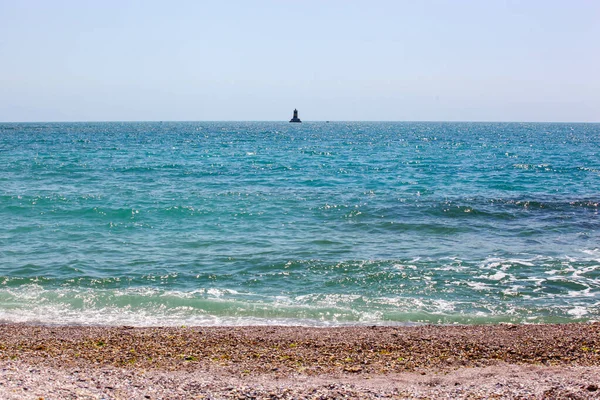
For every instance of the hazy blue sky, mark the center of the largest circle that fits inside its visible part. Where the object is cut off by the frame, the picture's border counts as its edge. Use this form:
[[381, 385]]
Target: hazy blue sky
[[488, 60]]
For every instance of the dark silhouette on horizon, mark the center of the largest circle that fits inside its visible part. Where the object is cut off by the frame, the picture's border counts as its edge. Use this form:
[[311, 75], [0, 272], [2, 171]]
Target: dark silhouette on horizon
[[295, 118]]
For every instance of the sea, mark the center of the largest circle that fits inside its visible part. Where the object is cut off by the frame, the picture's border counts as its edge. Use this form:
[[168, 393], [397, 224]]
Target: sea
[[311, 224]]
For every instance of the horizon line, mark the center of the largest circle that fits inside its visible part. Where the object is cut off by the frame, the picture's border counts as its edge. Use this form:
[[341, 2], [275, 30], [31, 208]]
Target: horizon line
[[304, 121]]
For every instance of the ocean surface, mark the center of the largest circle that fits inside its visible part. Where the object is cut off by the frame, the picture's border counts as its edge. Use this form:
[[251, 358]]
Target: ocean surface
[[321, 224]]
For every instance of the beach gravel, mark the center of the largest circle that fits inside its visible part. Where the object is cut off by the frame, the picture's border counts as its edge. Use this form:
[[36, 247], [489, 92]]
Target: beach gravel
[[273, 362]]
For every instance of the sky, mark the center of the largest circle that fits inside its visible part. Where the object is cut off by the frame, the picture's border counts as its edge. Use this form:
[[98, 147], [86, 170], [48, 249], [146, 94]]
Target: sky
[[352, 60]]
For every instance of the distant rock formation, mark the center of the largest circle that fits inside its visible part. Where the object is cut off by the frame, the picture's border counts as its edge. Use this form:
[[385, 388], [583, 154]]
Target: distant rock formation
[[295, 118]]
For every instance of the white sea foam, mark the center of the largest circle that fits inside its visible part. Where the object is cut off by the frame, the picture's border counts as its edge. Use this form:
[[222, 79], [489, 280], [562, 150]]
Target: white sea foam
[[401, 267], [494, 277], [593, 252], [581, 293], [507, 263], [479, 286], [512, 290], [577, 311], [445, 305]]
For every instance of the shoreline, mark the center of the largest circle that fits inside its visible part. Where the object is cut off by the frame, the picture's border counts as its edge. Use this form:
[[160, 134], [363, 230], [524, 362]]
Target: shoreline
[[548, 360]]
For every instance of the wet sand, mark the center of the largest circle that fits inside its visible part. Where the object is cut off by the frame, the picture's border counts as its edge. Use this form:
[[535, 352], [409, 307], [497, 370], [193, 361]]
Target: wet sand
[[502, 361]]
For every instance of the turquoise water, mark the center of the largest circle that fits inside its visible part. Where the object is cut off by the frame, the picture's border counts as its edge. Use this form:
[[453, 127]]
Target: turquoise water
[[314, 223]]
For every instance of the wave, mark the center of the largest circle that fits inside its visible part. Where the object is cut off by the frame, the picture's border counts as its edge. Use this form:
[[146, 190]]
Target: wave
[[152, 307], [318, 293]]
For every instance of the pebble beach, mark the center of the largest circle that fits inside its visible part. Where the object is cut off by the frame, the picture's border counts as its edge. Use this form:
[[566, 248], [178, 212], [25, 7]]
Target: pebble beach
[[275, 362]]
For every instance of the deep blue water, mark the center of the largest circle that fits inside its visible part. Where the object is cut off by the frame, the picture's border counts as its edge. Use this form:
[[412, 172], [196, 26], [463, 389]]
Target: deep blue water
[[313, 223]]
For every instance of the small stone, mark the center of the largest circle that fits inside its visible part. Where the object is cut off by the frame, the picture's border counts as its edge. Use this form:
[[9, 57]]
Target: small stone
[[592, 388], [353, 369]]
